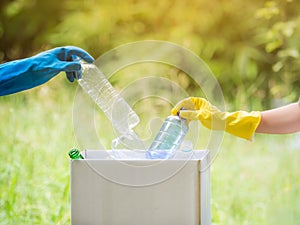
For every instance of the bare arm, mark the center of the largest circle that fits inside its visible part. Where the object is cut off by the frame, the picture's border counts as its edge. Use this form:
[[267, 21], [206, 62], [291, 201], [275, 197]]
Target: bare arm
[[282, 120]]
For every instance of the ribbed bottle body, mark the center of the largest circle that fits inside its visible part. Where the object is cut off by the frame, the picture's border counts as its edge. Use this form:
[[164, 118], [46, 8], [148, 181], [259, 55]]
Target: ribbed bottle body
[[168, 139], [95, 84]]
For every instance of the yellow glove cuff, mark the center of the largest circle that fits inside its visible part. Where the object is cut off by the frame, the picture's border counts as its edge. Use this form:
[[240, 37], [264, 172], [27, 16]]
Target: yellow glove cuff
[[242, 124]]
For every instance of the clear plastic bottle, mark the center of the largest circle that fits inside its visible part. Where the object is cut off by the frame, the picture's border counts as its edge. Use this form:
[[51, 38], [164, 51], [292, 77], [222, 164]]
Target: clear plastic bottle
[[168, 139], [96, 85]]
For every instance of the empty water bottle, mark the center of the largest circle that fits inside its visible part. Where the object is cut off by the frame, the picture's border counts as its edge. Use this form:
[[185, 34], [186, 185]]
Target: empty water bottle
[[95, 84], [168, 139]]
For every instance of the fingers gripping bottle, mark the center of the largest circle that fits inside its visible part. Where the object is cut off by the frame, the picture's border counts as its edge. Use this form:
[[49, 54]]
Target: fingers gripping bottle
[[168, 139], [95, 84]]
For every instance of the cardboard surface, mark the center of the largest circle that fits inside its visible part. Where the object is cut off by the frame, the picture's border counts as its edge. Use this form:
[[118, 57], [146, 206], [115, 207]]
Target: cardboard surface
[[110, 191]]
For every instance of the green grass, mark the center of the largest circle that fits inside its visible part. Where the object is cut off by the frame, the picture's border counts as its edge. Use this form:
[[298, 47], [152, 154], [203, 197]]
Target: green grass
[[35, 136], [252, 182], [257, 182]]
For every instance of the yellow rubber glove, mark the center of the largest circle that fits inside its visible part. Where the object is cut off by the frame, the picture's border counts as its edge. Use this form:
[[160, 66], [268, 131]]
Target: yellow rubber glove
[[240, 123]]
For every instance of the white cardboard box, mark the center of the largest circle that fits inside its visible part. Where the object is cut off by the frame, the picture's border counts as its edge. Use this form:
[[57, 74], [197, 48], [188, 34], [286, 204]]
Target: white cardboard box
[[131, 191]]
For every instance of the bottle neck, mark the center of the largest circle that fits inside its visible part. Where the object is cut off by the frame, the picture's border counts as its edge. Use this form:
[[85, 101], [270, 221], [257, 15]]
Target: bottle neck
[[75, 154]]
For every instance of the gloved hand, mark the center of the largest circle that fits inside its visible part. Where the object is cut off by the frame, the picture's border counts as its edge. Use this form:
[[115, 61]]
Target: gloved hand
[[240, 123], [27, 73]]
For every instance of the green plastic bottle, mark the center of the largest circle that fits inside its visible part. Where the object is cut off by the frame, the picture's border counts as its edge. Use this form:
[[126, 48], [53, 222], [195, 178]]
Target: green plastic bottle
[[75, 154]]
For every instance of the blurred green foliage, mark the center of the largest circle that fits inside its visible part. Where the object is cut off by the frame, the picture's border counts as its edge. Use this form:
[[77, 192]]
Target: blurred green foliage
[[251, 46]]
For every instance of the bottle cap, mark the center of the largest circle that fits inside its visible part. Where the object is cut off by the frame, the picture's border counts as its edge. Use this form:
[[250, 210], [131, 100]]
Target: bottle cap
[[75, 154]]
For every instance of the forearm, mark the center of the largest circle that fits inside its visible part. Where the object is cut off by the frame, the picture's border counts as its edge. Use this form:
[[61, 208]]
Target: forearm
[[282, 120], [11, 76]]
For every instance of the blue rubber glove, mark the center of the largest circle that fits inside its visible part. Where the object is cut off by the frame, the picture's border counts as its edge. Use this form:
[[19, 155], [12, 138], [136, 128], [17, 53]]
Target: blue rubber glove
[[27, 73]]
